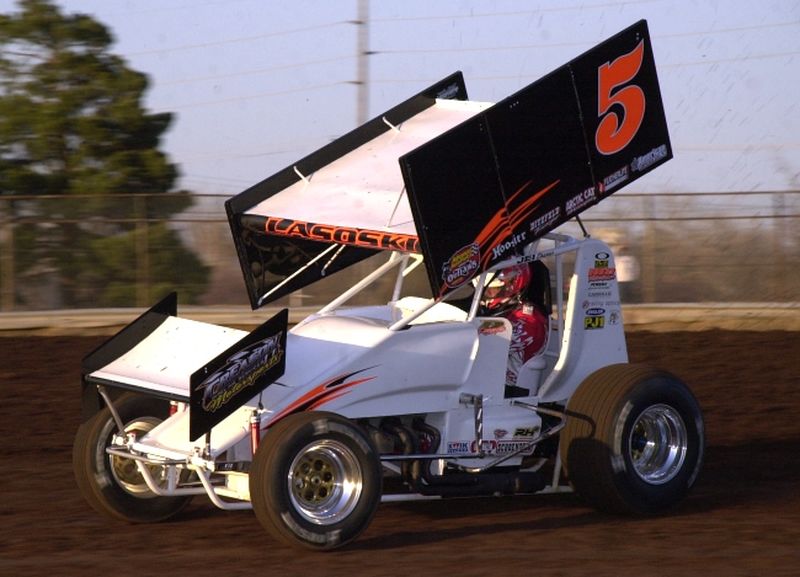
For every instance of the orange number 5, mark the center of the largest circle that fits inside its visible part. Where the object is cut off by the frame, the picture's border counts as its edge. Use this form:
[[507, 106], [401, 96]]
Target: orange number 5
[[612, 134]]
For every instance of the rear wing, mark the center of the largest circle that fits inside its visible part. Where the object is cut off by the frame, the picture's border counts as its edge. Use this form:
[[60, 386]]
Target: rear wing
[[466, 184]]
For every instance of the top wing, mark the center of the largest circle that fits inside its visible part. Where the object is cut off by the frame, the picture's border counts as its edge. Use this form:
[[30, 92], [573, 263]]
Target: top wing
[[342, 203], [476, 182]]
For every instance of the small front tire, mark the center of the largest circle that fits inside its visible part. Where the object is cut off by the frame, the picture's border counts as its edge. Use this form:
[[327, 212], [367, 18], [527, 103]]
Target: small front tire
[[113, 485], [315, 481]]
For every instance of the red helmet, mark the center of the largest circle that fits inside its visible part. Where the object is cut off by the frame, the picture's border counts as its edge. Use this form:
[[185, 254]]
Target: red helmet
[[507, 285]]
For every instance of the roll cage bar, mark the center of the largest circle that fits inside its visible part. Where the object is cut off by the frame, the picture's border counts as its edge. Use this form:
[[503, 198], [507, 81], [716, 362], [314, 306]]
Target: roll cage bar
[[406, 263]]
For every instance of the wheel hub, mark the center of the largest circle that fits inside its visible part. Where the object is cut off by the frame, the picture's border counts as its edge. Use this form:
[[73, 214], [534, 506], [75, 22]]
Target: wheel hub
[[658, 444], [325, 482], [125, 471]]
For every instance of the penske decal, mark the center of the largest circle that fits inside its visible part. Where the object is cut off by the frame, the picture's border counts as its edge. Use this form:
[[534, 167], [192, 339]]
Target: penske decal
[[341, 234]]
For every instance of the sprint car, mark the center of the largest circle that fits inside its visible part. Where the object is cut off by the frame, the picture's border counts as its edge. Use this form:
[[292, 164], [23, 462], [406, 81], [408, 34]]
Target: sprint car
[[314, 425]]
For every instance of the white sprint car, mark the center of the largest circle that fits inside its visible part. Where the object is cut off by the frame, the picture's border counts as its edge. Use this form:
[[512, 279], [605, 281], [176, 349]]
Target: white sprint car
[[312, 427]]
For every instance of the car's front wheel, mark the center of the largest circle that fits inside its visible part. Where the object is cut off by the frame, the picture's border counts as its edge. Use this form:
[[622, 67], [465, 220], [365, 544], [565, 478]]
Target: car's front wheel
[[315, 480]]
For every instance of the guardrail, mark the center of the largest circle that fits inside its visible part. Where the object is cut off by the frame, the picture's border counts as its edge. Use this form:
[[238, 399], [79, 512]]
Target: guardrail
[[661, 317]]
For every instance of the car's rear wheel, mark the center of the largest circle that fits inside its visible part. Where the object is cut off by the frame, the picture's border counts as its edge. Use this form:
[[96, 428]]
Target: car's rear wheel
[[634, 439], [111, 484], [315, 480]]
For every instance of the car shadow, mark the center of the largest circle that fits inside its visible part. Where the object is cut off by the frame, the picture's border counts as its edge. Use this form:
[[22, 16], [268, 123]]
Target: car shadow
[[753, 473]]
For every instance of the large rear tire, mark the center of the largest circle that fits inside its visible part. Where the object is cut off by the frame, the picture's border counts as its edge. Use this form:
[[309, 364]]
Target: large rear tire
[[113, 485], [315, 481], [634, 439]]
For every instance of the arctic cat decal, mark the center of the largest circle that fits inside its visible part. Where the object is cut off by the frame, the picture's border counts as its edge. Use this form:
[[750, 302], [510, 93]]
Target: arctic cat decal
[[491, 447], [341, 234]]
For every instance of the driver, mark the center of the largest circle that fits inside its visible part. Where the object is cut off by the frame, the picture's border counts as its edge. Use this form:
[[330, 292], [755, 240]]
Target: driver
[[506, 295]]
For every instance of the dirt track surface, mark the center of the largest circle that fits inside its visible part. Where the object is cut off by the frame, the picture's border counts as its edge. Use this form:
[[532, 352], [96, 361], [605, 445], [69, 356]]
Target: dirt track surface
[[743, 518]]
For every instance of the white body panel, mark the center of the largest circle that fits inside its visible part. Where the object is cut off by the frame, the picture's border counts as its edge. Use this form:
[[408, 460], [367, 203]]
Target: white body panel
[[359, 362], [593, 329]]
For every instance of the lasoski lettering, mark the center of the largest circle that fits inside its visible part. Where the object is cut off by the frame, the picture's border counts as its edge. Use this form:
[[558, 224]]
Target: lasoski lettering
[[345, 235], [342, 234]]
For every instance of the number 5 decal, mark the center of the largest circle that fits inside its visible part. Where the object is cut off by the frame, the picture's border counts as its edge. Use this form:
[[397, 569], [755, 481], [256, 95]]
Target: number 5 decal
[[612, 134]]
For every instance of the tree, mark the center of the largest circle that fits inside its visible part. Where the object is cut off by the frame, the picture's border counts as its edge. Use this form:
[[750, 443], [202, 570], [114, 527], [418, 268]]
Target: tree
[[73, 129]]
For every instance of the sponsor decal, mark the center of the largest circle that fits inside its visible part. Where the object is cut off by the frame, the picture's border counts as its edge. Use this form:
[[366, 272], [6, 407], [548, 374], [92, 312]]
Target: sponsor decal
[[591, 322], [492, 446], [599, 293], [641, 163], [500, 433], [458, 447], [613, 317], [461, 266], [581, 200], [241, 370], [595, 312], [599, 303], [544, 221], [601, 260], [615, 179], [449, 91], [491, 327], [502, 447], [341, 234], [493, 234], [599, 274], [504, 247], [526, 431]]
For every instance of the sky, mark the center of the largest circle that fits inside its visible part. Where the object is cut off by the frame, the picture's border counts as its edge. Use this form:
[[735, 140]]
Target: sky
[[256, 85]]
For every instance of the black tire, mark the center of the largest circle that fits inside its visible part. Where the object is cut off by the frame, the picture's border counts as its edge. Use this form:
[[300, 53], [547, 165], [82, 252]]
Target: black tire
[[113, 485], [634, 440], [297, 480]]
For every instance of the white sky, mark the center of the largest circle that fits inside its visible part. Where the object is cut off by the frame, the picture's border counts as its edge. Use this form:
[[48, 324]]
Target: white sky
[[258, 84]]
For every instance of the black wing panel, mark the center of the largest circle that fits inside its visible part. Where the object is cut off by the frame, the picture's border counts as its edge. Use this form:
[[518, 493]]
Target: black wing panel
[[482, 191]]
